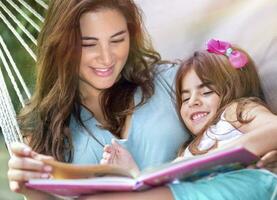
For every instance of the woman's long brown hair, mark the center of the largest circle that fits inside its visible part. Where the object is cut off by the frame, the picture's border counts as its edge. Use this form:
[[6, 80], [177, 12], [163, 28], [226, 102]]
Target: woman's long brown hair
[[240, 85], [45, 119]]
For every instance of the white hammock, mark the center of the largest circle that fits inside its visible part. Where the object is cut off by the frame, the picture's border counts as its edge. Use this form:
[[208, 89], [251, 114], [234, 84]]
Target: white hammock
[[9, 73]]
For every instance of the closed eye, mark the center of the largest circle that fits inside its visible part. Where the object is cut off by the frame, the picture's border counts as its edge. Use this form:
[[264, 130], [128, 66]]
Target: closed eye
[[118, 41], [88, 45], [208, 92], [185, 100]]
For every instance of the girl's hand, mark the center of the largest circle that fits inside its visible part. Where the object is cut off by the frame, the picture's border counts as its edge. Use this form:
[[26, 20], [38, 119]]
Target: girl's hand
[[24, 165], [269, 161]]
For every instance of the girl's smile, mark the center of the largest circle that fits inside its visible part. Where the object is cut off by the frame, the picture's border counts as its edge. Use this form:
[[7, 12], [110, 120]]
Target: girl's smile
[[199, 102]]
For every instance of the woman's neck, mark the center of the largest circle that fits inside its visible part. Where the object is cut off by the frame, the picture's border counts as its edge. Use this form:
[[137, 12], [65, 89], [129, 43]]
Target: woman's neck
[[91, 100]]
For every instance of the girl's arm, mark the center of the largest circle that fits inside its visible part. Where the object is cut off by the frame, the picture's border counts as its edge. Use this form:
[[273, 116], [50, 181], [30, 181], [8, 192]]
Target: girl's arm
[[260, 133]]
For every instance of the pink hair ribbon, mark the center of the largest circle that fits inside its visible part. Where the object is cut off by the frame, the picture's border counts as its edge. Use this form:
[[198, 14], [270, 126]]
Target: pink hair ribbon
[[237, 58]]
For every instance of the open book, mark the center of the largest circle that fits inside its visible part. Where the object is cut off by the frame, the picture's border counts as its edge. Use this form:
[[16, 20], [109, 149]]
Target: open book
[[75, 180]]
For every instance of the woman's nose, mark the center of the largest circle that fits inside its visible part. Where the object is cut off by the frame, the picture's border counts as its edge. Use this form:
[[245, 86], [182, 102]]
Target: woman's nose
[[106, 57]]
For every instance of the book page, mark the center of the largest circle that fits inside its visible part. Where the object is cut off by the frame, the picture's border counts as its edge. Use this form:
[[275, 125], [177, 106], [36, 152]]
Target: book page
[[72, 171], [199, 166]]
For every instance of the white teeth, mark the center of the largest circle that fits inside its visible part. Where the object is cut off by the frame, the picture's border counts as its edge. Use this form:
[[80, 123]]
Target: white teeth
[[102, 69], [198, 116]]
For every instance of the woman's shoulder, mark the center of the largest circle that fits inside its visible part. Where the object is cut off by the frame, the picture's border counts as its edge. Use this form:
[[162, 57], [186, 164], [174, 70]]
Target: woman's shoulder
[[165, 72], [166, 68]]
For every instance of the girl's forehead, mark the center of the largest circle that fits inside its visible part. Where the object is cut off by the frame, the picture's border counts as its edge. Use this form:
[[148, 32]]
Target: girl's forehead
[[190, 75], [190, 79]]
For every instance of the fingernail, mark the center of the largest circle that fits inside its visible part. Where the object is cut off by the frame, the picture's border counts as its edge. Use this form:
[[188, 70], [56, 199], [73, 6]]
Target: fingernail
[[259, 164], [45, 176], [26, 151], [47, 168]]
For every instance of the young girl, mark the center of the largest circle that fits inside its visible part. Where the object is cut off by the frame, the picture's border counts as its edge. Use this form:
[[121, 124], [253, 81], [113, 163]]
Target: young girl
[[219, 97]]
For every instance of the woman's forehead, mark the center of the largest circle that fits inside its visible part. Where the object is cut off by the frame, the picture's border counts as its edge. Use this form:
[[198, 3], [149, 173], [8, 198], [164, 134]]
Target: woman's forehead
[[103, 22]]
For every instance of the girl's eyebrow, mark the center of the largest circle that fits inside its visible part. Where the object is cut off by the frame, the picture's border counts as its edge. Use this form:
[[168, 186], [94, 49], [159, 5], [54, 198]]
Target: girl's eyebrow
[[200, 86], [95, 38]]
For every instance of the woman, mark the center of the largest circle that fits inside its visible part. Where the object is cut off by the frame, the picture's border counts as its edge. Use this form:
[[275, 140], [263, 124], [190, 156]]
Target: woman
[[97, 80], [103, 88]]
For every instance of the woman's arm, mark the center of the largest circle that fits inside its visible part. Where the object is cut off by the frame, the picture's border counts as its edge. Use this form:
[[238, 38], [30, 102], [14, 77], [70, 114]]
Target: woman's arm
[[160, 193], [24, 165]]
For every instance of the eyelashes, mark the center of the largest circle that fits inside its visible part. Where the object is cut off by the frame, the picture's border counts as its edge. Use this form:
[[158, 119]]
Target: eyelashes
[[95, 44], [118, 41], [201, 94], [88, 45]]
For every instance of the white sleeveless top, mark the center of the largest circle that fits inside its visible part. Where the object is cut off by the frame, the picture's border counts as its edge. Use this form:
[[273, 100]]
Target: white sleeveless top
[[223, 132]]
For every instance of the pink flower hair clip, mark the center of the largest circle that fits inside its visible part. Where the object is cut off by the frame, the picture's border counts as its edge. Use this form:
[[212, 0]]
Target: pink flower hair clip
[[237, 58]]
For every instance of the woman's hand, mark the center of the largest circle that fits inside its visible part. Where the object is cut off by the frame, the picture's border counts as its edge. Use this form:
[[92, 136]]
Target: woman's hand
[[116, 154], [269, 161], [24, 165]]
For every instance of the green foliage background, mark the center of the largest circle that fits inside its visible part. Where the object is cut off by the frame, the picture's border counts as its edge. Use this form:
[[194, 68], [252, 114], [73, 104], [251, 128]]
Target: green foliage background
[[26, 66]]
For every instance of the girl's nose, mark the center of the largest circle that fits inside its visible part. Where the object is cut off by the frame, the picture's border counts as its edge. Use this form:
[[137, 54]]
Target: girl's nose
[[194, 101]]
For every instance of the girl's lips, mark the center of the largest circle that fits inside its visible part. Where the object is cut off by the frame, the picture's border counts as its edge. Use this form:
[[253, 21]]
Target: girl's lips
[[198, 116]]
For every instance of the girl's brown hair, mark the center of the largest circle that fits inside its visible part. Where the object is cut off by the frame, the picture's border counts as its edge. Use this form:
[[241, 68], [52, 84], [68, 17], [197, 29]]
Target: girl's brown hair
[[45, 119], [228, 82]]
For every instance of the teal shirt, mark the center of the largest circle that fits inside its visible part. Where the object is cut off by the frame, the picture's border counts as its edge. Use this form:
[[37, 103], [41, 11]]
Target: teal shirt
[[246, 184], [155, 134]]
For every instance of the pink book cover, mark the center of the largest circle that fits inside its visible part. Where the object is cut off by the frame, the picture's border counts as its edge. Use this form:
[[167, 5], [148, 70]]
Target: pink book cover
[[186, 170]]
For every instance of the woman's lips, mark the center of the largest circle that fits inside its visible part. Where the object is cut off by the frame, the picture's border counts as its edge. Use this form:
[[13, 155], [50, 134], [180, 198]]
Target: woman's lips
[[103, 72]]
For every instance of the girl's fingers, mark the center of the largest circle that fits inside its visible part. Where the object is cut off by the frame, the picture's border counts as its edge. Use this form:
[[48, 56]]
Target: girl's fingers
[[23, 176], [268, 159]]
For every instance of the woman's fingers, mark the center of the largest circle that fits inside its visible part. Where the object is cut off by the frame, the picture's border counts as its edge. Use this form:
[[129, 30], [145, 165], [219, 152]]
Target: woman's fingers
[[16, 186], [21, 149], [24, 168], [108, 148], [41, 157], [26, 163], [23, 176], [107, 155]]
